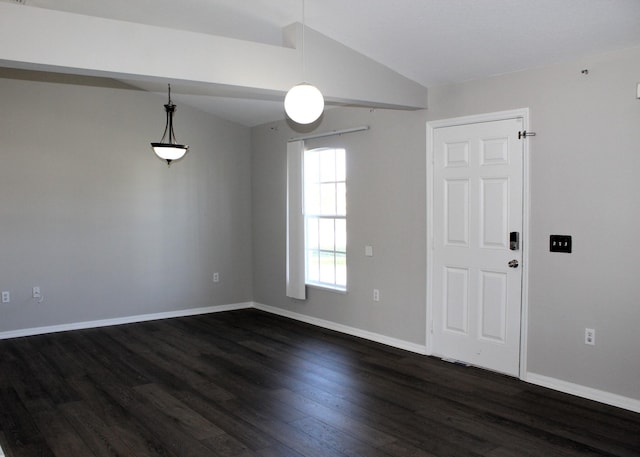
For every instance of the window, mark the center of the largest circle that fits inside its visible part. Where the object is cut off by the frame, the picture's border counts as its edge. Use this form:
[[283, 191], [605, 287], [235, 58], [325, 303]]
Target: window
[[325, 218]]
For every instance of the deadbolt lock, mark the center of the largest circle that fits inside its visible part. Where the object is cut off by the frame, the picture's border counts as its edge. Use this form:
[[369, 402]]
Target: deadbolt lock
[[513, 263]]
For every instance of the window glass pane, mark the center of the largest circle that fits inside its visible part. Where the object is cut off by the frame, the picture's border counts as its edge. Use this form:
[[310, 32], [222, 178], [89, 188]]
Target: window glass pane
[[341, 199], [312, 199], [311, 166], [341, 270], [327, 234], [341, 173], [328, 197], [312, 233], [327, 268], [341, 235], [327, 165], [313, 266]]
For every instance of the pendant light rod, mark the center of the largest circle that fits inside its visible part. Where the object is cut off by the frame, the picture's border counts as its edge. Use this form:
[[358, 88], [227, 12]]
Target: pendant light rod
[[169, 108]]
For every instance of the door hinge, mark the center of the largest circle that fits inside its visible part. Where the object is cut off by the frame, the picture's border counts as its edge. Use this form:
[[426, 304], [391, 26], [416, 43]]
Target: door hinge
[[524, 134]]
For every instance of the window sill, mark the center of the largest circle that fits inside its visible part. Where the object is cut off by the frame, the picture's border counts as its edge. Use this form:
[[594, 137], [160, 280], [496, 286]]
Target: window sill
[[327, 288]]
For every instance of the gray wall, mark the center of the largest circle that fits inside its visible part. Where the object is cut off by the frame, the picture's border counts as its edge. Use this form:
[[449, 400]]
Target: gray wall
[[584, 170], [386, 207], [89, 214]]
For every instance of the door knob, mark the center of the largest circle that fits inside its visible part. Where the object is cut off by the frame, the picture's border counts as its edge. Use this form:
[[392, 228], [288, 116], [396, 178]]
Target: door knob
[[513, 263]]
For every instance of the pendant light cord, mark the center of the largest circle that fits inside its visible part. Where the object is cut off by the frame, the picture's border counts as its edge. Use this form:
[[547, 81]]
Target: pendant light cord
[[302, 46]]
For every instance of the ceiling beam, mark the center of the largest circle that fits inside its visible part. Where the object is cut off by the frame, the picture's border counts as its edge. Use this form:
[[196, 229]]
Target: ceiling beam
[[347, 77], [41, 39]]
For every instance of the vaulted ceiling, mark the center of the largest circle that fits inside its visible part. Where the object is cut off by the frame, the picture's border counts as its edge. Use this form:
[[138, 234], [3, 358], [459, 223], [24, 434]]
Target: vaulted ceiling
[[431, 42]]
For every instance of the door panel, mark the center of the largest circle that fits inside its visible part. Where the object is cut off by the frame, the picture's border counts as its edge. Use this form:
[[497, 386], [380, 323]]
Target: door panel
[[457, 212], [456, 299], [493, 306], [477, 201], [494, 196], [457, 155]]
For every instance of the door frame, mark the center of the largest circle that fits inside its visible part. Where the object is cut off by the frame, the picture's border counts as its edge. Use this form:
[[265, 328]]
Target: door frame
[[522, 113]]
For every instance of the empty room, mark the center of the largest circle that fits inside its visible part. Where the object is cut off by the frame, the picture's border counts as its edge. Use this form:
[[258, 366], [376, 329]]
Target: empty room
[[319, 228]]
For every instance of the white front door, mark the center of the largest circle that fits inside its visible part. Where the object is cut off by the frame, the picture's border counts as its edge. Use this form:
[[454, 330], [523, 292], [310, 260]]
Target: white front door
[[476, 282]]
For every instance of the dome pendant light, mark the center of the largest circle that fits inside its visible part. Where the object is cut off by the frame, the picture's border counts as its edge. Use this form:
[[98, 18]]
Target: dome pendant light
[[170, 150], [304, 103]]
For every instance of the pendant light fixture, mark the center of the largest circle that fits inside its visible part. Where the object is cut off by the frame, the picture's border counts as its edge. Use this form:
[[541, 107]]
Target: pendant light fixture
[[304, 103], [169, 150]]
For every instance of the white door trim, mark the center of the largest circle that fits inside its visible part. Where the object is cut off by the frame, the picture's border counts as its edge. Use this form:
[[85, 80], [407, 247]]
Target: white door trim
[[523, 114]]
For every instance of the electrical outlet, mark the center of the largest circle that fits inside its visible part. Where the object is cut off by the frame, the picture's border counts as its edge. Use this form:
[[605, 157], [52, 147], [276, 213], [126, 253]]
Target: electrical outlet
[[376, 295], [6, 297], [590, 336], [36, 292], [216, 277]]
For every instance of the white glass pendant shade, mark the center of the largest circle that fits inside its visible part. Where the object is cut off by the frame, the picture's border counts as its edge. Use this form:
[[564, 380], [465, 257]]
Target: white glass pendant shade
[[304, 103], [169, 151]]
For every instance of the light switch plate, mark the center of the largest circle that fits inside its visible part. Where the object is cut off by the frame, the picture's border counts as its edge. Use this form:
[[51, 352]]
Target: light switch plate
[[560, 243]]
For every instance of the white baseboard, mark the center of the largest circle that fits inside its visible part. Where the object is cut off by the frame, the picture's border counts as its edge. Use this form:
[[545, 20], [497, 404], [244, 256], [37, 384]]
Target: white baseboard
[[122, 320], [584, 392], [378, 338]]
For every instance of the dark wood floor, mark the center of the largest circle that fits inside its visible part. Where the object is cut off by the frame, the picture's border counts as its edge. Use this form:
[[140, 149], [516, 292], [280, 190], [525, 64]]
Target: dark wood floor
[[246, 383]]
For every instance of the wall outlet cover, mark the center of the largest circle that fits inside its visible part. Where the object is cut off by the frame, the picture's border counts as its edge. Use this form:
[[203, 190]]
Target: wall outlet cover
[[590, 336]]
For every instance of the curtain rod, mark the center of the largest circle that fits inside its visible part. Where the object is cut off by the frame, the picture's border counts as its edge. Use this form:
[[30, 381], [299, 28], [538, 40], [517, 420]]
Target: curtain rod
[[331, 133]]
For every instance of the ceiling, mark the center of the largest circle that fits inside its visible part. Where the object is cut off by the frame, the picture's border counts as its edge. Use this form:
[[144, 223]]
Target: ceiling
[[432, 42]]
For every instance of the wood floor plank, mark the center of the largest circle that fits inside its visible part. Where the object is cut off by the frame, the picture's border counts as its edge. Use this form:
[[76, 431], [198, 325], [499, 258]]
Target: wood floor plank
[[356, 428], [494, 429], [332, 437], [247, 383], [241, 430], [61, 436], [278, 451], [65, 362], [19, 427], [163, 427], [118, 419], [228, 446], [403, 449], [286, 434], [103, 440], [198, 426]]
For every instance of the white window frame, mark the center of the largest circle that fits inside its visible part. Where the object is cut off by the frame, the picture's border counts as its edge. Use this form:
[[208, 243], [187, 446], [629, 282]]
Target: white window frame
[[336, 284]]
